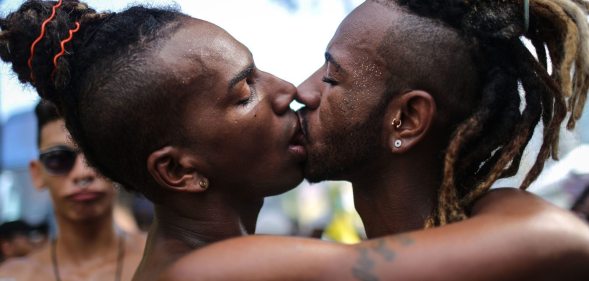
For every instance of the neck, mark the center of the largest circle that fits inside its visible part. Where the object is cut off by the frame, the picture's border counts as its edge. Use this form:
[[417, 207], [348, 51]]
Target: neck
[[192, 222], [395, 197], [80, 241]]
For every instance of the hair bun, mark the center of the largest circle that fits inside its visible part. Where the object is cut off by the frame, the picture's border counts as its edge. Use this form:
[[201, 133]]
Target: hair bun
[[5, 52]]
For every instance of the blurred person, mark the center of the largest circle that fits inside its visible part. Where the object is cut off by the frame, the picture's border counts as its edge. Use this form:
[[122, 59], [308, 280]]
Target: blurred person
[[87, 245], [14, 240], [39, 235], [174, 107]]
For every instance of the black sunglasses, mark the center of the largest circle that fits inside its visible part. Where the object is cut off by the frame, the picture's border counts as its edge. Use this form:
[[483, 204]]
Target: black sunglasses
[[59, 160]]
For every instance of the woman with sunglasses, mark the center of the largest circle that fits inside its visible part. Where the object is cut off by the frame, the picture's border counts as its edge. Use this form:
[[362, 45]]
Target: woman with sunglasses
[[87, 245], [175, 108]]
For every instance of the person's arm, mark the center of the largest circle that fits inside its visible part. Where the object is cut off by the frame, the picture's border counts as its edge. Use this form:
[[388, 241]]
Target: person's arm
[[512, 235]]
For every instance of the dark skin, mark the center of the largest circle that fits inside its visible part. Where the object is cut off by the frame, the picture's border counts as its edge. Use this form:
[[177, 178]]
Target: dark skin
[[404, 193], [508, 236], [502, 241], [243, 131]]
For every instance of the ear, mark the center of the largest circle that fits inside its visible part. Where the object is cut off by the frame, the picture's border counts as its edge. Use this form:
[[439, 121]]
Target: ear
[[409, 118], [35, 170], [176, 170]]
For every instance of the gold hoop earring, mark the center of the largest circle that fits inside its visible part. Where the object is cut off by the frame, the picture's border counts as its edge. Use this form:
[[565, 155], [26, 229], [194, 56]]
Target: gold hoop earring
[[204, 183], [397, 123]]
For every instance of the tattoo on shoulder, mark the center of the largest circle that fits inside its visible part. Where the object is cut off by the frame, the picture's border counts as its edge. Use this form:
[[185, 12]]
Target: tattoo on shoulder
[[363, 270]]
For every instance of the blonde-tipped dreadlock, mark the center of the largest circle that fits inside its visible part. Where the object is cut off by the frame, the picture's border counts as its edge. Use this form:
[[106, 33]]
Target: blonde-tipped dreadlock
[[480, 152]]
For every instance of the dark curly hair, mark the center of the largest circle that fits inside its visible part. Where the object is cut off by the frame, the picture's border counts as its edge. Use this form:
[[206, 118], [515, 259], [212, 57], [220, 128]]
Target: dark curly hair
[[46, 113], [489, 142], [105, 84]]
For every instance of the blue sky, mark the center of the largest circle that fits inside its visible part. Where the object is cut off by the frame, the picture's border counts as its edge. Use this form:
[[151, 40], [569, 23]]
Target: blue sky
[[287, 37]]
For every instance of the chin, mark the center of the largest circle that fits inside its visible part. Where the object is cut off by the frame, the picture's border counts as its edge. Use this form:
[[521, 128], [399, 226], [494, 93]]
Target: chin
[[90, 214], [286, 185]]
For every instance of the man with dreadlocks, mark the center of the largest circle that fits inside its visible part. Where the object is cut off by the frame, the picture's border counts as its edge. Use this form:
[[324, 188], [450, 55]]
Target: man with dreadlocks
[[418, 106]]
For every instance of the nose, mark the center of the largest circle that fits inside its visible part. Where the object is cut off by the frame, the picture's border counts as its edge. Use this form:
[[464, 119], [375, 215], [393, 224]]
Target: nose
[[308, 93], [284, 94], [81, 173]]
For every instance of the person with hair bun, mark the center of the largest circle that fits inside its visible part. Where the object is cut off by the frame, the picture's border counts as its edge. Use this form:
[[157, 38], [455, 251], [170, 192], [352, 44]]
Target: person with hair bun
[[175, 108], [168, 106]]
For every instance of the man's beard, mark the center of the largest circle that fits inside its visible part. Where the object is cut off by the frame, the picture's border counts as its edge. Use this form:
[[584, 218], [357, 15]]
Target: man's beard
[[346, 151]]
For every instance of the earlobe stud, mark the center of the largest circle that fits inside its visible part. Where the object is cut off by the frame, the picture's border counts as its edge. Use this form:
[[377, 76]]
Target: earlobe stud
[[398, 143]]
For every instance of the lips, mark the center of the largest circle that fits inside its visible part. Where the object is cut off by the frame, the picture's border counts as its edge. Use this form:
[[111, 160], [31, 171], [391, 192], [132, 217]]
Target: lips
[[85, 196], [297, 143], [302, 123]]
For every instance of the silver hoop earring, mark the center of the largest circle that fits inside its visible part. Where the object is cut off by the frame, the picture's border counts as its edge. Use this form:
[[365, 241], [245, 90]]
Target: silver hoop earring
[[398, 143]]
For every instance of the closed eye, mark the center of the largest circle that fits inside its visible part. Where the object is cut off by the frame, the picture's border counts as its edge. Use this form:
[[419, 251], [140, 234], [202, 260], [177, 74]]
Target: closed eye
[[329, 81]]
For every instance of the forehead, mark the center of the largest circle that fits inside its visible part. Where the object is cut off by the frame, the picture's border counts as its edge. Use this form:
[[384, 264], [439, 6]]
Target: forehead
[[361, 33], [199, 45], [54, 133]]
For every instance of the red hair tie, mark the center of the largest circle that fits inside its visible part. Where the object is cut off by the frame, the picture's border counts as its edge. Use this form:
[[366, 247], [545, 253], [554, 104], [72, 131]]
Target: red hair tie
[[63, 42], [30, 61]]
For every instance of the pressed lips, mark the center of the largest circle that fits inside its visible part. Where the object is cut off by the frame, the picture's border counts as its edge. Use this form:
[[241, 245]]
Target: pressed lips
[[302, 123], [296, 144]]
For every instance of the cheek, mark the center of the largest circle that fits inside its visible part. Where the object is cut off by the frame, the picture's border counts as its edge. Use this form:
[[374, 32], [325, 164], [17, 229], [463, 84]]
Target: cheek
[[338, 109], [55, 186]]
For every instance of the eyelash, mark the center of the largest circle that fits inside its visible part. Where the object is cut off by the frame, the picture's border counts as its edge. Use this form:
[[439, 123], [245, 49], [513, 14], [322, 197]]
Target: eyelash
[[329, 81], [250, 98]]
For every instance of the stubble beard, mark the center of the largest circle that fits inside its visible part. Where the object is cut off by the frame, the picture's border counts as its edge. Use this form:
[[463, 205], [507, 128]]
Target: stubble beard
[[345, 152]]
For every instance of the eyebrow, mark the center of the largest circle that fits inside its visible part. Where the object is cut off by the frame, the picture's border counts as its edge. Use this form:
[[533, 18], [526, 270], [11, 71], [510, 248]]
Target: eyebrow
[[247, 71], [329, 58]]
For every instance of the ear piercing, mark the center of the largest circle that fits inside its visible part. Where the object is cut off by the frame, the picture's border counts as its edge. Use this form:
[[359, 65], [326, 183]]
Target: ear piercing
[[398, 143], [204, 183], [397, 123]]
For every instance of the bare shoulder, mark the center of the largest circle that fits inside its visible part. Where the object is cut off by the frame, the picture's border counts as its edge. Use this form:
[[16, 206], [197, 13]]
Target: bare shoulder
[[134, 248], [537, 222], [14, 267], [24, 269], [135, 242], [512, 201]]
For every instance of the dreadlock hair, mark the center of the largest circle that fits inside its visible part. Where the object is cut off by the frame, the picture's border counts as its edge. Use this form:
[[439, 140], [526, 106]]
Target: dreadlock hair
[[101, 97], [489, 142]]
